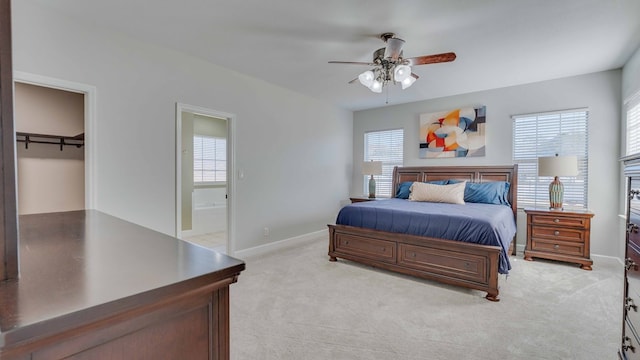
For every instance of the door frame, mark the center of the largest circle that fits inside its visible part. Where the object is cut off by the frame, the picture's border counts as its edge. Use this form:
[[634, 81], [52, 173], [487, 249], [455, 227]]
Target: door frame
[[90, 141], [231, 141]]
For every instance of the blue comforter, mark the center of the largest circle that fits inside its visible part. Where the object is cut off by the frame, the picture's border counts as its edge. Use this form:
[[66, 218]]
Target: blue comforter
[[471, 222]]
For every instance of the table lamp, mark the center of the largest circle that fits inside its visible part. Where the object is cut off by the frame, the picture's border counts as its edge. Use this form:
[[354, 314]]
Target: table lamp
[[557, 166], [372, 168]]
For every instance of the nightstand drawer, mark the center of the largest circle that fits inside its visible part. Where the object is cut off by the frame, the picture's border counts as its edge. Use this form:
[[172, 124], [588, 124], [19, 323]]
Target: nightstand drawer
[[557, 247], [564, 221], [558, 233]]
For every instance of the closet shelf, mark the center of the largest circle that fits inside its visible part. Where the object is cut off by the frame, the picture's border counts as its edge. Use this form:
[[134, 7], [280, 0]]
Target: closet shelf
[[33, 138]]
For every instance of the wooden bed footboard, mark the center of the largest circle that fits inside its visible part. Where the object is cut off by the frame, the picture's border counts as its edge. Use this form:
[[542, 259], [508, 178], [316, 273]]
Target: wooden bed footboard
[[451, 262]]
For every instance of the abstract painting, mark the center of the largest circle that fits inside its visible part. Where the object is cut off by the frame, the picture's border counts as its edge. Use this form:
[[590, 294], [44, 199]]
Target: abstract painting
[[453, 133]]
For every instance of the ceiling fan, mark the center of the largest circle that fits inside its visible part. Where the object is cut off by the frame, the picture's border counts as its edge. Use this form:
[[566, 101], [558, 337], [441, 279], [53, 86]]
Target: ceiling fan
[[390, 67]]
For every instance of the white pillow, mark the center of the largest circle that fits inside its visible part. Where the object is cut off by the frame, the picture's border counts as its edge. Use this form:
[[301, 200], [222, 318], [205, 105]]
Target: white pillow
[[453, 193]]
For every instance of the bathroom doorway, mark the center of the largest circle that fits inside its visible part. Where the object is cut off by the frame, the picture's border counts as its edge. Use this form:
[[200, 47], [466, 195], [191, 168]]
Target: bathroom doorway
[[204, 165]]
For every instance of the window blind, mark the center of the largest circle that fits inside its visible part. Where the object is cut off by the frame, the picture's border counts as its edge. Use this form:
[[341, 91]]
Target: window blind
[[548, 134], [386, 146], [632, 106], [209, 159]]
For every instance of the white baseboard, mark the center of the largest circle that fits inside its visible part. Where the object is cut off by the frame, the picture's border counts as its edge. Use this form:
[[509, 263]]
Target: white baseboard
[[281, 244]]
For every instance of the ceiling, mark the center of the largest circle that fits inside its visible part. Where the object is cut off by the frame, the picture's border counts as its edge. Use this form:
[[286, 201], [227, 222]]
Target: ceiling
[[289, 42]]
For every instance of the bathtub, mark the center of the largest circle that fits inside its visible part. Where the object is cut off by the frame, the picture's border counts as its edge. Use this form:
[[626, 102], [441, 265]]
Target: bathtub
[[209, 218]]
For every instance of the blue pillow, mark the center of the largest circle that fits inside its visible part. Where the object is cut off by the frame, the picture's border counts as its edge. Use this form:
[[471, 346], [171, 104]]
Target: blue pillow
[[403, 190], [495, 192]]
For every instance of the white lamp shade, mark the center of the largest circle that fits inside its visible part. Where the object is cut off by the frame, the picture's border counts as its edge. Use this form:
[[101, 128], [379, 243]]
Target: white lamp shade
[[401, 72], [366, 78], [408, 82], [558, 166], [376, 86], [372, 168]]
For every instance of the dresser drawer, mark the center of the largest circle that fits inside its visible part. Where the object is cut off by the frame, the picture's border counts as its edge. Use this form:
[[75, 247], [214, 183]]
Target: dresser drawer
[[558, 233], [557, 247], [630, 344], [564, 221], [366, 248]]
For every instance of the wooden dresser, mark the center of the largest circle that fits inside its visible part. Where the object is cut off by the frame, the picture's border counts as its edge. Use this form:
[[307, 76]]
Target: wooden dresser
[[562, 235], [93, 286], [630, 346]]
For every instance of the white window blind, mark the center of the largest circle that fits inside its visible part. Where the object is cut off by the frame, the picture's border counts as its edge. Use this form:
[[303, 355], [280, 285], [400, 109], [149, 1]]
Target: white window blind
[[209, 159], [632, 106], [547, 134], [386, 146]]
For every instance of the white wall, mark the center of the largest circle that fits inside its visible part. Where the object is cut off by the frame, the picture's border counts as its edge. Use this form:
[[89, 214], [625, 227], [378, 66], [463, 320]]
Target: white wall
[[294, 151], [599, 92]]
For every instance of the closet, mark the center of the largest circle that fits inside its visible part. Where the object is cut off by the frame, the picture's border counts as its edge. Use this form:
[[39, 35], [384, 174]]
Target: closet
[[49, 126]]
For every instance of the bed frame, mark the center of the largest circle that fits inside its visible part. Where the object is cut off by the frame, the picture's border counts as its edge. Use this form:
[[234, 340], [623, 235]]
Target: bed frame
[[447, 261]]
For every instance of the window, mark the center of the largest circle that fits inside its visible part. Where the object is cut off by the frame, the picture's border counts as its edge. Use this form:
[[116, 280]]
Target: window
[[385, 146], [632, 106], [547, 134], [209, 159]]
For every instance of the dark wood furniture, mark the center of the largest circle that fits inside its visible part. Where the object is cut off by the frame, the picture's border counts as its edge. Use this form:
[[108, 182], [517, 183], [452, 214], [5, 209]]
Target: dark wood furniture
[[630, 346], [96, 287], [355, 199], [448, 261], [559, 235], [8, 201]]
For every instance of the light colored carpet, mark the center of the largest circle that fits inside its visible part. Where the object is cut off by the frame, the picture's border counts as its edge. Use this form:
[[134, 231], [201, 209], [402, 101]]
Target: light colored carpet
[[295, 304]]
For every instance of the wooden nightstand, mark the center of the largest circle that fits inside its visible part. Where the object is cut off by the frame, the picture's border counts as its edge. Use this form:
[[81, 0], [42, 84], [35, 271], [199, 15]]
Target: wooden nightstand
[[355, 199], [559, 235]]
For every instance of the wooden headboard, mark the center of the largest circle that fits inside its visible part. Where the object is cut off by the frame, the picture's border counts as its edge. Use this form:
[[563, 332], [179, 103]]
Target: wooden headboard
[[478, 174]]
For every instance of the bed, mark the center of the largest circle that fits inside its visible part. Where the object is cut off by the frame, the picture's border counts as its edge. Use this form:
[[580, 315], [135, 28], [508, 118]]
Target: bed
[[453, 260]]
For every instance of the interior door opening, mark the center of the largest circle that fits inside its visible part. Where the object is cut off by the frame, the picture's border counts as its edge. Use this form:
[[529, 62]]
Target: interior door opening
[[203, 173]]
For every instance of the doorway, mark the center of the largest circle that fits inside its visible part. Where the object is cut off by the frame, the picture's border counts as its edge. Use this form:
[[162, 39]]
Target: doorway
[[204, 164], [54, 150]]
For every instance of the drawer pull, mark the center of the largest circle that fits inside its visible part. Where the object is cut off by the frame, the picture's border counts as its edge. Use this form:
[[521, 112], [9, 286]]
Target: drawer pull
[[556, 246], [413, 254], [384, 249], [346, 242], [632, 228], [556, 220], [629, 264], [627, 347], [556, 233], [633, 193], [629, 305]]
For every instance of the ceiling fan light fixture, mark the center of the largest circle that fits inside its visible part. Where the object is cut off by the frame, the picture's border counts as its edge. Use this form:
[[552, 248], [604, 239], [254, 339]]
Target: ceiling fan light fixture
[[376, 86], [366, 78], [401, 73], [407, 82]]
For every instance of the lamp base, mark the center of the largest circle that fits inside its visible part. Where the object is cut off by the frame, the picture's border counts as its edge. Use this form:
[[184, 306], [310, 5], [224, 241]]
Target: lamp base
[[372, 187], [556, 194]]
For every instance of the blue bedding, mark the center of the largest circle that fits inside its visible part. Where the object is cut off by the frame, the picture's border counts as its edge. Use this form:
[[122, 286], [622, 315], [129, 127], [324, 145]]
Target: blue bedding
[[478, 223]]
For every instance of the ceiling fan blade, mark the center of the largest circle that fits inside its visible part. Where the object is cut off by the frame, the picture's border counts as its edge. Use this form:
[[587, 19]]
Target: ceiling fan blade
[[352, 62], [352, 81], [415, 76], [430, 59], [394, 48]]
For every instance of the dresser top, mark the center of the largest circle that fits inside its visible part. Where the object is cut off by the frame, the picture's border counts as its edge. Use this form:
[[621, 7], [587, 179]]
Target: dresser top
[[565, 212], [80, 263]]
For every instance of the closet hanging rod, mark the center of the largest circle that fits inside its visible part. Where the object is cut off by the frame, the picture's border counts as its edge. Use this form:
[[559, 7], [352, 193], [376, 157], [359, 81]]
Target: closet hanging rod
[[77, 141]]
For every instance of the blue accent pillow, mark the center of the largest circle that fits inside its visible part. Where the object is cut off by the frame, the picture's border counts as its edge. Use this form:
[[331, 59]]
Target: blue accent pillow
[[403, 190], [495, 192]]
